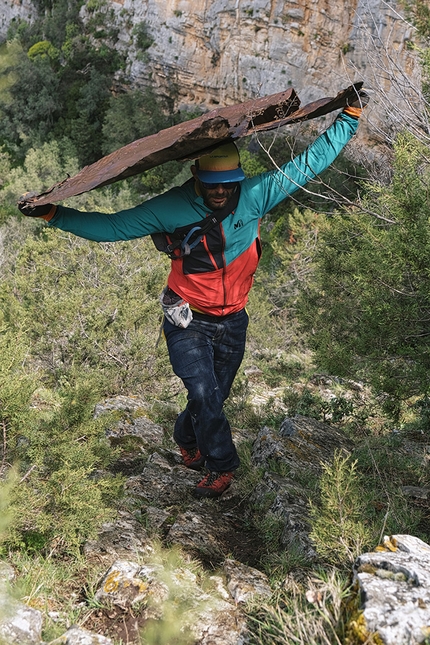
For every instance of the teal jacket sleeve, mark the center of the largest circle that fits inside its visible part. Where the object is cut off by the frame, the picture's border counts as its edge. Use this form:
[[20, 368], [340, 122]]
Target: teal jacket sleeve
[[261, 194], [269, 189], [179, 205], [108, 227]]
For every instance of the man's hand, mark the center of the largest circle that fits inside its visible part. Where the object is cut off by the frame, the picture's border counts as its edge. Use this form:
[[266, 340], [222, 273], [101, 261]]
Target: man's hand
[[355, 105], [361, 100], [28, 210]]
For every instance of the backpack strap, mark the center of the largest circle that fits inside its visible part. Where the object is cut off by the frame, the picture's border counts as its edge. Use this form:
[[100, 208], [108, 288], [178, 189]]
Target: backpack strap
[[184, 238], [161, 242]]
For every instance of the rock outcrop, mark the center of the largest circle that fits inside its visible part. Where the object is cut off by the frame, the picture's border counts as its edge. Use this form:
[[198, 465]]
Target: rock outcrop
[[224, 51], [14, 9], [394, 584]]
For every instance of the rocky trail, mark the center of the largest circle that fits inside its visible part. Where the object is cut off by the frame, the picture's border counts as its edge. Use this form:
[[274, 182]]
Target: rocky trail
[[203, 590]]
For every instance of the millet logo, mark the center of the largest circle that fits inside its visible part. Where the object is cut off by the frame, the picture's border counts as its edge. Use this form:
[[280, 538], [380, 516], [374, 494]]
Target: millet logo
[[238, 224]]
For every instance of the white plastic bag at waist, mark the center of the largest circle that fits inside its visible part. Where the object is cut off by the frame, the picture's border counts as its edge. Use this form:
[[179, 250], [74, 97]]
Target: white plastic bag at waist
[[178, 311]]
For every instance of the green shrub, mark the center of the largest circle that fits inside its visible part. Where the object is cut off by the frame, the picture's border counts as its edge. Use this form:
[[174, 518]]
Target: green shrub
[[364, 308], [133, 115], [142, 36], [62, 87], [339, 531], [99, 302], [62, 491], [43, 48]]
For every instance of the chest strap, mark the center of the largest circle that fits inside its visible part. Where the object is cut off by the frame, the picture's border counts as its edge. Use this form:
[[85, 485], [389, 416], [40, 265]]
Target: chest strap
[[184, 238]]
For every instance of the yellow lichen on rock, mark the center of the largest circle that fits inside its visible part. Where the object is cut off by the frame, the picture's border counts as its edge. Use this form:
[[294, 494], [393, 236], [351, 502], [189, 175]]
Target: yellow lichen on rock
[[366, 568], [111, 583], [388, 544], [426, 631], [358, 634], [141, 584]]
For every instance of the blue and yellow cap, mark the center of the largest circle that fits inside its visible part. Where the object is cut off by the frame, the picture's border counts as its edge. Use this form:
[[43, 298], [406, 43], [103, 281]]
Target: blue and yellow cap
[[220, 166]]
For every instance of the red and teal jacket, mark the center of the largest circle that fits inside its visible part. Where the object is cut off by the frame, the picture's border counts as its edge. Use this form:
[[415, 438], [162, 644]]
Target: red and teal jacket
[[218, 274]]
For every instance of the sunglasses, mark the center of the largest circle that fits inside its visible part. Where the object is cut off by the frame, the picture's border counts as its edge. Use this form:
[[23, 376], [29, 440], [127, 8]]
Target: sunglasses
[[209, 186]]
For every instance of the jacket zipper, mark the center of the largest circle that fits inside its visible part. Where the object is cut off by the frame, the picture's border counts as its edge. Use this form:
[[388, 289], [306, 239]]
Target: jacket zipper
[[223, 267]]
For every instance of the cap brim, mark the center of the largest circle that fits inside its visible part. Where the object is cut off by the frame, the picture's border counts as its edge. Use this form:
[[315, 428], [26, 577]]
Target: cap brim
[[221, 176]]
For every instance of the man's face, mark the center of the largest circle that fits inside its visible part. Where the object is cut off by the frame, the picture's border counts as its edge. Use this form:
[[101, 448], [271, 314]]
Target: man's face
[[216, 195]]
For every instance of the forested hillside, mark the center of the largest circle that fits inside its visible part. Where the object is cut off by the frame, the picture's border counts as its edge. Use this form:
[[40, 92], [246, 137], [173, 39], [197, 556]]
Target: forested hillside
[[339, 330]]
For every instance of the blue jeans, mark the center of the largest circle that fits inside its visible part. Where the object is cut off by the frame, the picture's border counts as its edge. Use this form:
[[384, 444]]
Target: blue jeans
[[206, 356]]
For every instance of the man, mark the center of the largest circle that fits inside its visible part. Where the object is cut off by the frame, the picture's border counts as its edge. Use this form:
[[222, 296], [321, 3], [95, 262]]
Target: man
[[211, 274]]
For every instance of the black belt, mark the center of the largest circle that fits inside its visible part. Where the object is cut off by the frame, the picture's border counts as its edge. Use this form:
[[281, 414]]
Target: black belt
[[209, 318]]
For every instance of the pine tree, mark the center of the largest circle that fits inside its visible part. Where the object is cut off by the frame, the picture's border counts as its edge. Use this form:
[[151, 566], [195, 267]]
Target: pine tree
[[367, 312]]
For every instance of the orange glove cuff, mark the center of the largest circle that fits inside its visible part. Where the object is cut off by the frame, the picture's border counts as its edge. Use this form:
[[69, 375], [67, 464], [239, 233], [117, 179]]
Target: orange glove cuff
[[353, 111], [51, 213]]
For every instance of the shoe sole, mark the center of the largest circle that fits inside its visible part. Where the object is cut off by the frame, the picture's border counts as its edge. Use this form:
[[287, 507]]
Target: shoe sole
[[197, 466], [207, 492]]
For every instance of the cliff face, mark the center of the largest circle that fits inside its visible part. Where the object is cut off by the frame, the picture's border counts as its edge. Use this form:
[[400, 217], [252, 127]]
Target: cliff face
[[12, 9], [222, 51], [212, 52]]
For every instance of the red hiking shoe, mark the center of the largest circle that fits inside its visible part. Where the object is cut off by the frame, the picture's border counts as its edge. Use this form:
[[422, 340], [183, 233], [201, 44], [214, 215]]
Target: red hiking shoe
[[192, 458], [213, 485]]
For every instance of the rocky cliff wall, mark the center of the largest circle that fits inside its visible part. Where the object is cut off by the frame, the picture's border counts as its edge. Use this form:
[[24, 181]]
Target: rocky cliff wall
[[12, 9], [223, 51], [210, 52]]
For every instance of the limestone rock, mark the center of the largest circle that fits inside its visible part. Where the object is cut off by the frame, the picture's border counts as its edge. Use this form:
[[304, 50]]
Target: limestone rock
[[147, 431], [417, 492], [299, 447], [18, 623], [302, 442], [226, 627], [220, 587], [154, 590], [224, 52], [394, 584], [123, 538], [200, 532], [156, 517], [13, 10], [161, 484], [134, 422], [128, 583], [130, 404], [245, 583], [288, 503], [252, 370], [78, 636]]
